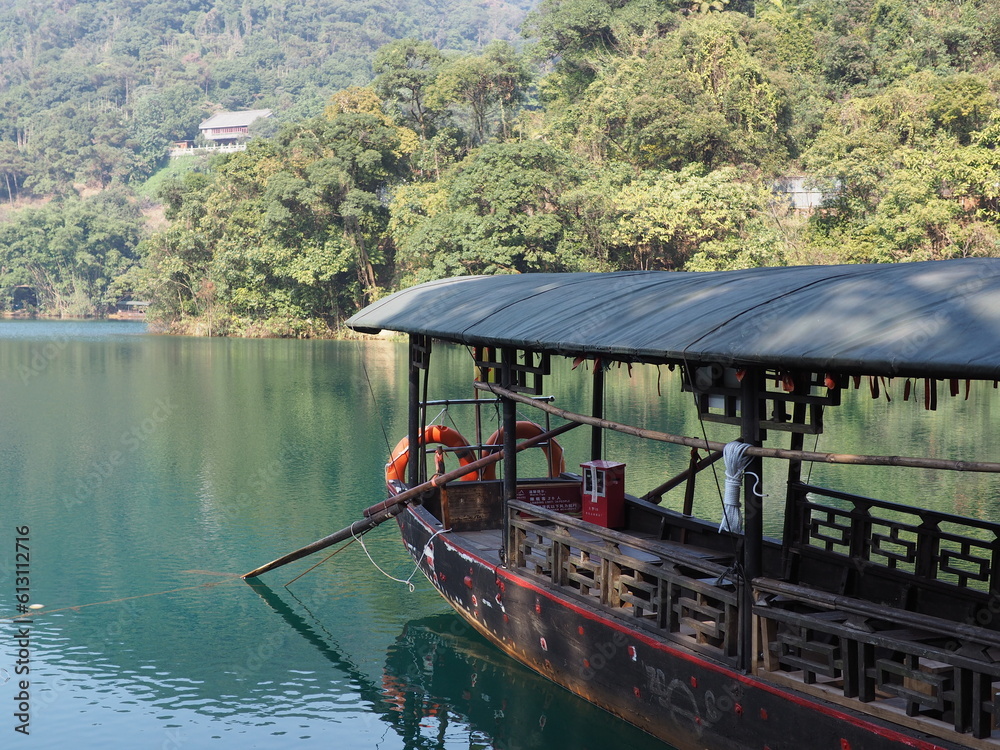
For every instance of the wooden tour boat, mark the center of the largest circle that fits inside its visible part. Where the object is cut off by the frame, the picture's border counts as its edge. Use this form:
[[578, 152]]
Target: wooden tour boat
[[868, 624]]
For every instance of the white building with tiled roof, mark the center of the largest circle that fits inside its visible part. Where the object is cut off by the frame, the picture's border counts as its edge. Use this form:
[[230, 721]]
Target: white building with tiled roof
[[230, 127]]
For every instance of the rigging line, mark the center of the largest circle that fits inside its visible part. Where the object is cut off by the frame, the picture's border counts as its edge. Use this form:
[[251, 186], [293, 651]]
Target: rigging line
[[451, 418], [811, 464], [687, 372], [230, 577], [310, 570], [409, 579], [371, 390]]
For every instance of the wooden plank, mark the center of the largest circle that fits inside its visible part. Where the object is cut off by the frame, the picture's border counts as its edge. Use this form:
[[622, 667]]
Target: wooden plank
[[769, 637], [917, 622]]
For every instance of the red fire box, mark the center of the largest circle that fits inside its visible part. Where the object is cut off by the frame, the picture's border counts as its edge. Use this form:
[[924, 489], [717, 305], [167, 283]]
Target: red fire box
[[604, 493]]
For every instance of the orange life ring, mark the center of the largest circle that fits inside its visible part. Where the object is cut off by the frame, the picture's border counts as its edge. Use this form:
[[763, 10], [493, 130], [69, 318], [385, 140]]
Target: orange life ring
[[526, 429], [395, 470]]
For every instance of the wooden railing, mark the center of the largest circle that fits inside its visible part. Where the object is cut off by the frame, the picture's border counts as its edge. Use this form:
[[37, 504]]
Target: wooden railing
[[920, 560], [906, 634], [678, 592], [880, 659], [195, 150]]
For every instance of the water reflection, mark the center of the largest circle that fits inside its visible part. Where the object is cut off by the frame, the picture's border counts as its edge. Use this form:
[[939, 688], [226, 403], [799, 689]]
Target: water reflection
[[443, 684]]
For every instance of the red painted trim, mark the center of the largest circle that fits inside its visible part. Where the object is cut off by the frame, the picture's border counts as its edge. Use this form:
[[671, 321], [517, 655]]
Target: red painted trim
[[879, 731]]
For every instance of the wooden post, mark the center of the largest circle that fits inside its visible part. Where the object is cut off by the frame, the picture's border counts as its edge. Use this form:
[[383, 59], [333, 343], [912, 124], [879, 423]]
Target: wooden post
[[688, 508], [750, 432], [791, 524], [508, 358], [753, 517], [597, 433], [413, 427]]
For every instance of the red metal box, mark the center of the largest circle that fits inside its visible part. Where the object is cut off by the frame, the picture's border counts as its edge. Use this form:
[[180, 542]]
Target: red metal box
[[604, 493]]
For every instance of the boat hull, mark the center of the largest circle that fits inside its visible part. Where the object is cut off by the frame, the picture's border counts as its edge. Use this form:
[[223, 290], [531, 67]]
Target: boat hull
[[679, 696]]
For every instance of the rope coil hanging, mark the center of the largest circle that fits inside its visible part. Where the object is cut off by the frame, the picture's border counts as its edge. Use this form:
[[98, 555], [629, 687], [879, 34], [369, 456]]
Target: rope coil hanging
[[735, 457]]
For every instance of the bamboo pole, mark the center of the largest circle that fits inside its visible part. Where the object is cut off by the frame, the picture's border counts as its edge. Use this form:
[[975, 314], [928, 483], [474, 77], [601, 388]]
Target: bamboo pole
[[794, 455], [659, 492], [392, 507]]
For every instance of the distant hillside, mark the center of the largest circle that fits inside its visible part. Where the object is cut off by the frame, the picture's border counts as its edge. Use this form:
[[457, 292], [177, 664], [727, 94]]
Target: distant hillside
[[93, 91]]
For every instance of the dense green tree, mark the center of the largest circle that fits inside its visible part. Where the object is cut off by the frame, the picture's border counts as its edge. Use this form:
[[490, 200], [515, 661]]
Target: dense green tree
[[497, 212], [404, 71], [700, 94], [911, 183], [666, 218], [487, 87], [162, 67], [647, 136], [70, 252]]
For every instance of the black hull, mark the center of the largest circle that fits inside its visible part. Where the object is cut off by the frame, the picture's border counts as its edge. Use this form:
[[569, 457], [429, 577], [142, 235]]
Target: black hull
[[681, 697]]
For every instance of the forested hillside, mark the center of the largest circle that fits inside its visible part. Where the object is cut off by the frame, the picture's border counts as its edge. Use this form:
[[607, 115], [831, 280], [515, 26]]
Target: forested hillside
[[417, 142], [93, 91]]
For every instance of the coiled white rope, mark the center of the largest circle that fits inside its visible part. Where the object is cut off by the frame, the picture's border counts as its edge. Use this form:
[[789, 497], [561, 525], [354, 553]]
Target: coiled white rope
[[736, 461]]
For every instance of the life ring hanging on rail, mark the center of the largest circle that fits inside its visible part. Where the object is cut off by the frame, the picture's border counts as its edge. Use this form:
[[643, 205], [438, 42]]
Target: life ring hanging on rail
[[395, 470], [525, 429]]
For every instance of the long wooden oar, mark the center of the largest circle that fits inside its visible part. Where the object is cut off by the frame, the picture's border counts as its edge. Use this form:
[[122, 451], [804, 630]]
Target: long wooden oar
[[382, 512]]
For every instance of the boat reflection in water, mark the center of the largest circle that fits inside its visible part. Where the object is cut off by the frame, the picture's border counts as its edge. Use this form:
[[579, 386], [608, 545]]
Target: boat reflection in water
[[444, 686], [441, 672]]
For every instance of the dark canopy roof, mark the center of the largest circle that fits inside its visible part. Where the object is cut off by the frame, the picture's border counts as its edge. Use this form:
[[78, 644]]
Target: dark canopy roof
[[929, 319]]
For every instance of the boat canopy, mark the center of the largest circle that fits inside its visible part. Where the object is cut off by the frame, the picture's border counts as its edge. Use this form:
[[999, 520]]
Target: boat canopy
[[938, 319]]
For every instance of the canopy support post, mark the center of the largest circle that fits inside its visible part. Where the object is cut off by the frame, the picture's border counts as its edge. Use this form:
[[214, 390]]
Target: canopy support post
[[413, 426], [753, 534], [797, 443], [508, 360], [596, 432]]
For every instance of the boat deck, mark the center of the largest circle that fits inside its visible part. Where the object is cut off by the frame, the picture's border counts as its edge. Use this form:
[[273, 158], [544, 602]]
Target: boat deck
[[486, 543]]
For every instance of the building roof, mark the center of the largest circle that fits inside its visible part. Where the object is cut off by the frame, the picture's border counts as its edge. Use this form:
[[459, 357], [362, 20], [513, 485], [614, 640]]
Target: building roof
[[930, 319], [234, 119]]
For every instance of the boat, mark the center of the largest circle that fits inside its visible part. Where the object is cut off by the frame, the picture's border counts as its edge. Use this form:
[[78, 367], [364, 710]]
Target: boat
[[865, 624]]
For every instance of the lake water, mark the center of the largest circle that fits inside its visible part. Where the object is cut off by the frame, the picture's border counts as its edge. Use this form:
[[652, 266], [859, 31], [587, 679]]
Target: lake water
[[144, 473]]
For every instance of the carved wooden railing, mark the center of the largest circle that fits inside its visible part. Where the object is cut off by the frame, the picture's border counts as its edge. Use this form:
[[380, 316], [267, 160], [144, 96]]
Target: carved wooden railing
[[867, 654], [929, 560], [677, 592]]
